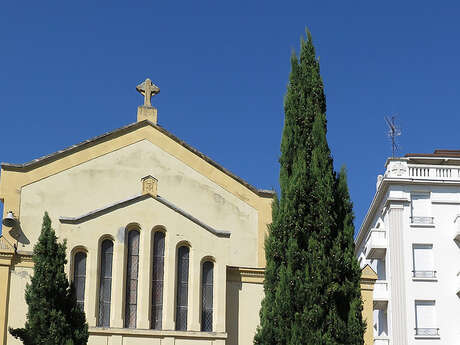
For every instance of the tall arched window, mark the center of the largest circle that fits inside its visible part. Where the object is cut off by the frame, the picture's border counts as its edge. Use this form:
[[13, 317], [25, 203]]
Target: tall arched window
[[132, 279], [182, 288], [105, 283], [79, 277], [157, 279], [207, 296]]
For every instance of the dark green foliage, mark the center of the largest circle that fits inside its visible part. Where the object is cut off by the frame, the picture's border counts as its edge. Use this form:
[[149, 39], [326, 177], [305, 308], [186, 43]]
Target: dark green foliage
[[53, 317], [312, 290]]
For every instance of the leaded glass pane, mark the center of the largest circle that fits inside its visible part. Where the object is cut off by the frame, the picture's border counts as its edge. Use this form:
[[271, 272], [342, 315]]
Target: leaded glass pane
[[131, 279], [80, 277], [105, 283], [157, 279], [207, 296], [182, 288]]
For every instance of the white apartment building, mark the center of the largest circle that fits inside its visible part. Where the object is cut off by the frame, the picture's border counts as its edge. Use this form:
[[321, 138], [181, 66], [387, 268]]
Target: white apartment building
[[411, 238]]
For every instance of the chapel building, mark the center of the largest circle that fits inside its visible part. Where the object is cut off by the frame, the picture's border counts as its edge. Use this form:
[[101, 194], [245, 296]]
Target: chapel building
[[164, 245]]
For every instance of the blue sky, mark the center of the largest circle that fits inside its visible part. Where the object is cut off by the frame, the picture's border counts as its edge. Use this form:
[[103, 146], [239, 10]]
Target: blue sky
[[68, 72]]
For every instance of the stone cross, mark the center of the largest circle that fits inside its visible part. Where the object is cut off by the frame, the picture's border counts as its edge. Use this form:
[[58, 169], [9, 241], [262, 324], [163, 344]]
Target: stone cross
[[148, 90]]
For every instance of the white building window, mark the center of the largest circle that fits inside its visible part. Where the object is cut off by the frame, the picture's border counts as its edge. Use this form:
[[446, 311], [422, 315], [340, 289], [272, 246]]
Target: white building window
[[423, 261], [380, 323], [425, 319], [421, 208], [378, 265]]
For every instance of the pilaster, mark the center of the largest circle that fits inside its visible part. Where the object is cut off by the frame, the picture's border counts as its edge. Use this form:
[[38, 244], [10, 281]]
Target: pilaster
[[398, 272], [169, 286], [118, 288], [194, 280], [220, 294], [368, 278], [6, 259], [144, 278]]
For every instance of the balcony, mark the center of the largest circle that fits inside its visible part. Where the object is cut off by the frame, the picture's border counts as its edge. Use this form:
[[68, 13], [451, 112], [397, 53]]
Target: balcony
[[427, 332], [424, 275], [381, 340], [381, 290], [422, 220], [376, 244]]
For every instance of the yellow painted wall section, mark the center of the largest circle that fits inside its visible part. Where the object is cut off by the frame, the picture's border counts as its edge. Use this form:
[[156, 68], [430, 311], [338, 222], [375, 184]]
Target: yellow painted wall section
[[243, 304], [17, 308], [5, 263], [117, 176], [368, 278]]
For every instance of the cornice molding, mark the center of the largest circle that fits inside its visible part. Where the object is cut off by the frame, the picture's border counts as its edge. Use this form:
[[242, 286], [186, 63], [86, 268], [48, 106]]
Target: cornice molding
[[246, 274], [134, 199]]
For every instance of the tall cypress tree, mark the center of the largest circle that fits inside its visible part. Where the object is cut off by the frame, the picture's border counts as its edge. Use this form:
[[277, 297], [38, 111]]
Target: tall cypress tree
[[53, 317], [312, 291]]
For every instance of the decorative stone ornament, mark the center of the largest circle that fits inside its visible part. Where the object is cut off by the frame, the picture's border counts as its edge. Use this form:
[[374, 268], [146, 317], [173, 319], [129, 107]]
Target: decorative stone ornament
[[146, 111], [150, 185], [148, 90]]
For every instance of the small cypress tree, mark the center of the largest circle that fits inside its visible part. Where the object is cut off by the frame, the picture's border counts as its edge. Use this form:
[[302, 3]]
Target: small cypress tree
[[312, 291], [53, 316]]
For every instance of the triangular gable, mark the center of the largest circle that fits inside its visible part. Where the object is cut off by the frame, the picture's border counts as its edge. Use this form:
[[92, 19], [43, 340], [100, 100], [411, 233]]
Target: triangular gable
[[368, 273]]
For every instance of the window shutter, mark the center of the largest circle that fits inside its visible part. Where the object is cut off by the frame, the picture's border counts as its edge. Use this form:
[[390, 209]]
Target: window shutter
[[425, 314], [423, 257], [421, 205]]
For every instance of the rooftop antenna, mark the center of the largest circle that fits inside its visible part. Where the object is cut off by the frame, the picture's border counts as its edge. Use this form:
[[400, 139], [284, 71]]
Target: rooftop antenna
[[393, 132]]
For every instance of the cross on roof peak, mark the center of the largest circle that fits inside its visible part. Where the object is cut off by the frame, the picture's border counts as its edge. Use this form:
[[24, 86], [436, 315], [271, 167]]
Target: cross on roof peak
[[148, 90]]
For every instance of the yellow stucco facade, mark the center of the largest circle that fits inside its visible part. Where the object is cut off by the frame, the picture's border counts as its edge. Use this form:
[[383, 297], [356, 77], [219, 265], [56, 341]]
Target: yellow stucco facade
[[368, 278], [141, 177]]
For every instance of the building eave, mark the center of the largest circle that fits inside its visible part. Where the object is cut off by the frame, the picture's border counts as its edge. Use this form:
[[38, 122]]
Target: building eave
[[119, 132]]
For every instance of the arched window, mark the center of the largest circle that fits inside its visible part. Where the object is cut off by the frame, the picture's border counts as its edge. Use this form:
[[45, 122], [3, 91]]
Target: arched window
[[182, 288], [157, 279], [105, 283], [207, 296], [79, 277], [132, 279]]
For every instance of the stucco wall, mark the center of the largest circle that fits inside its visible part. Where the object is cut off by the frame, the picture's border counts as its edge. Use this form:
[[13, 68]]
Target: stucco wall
[[116, 176], [243, 305], [17, 307]]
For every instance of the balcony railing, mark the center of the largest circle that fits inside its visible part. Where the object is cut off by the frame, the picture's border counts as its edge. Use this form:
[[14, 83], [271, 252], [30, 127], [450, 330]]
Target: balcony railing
[[432, 332], [398, 168], [424, 274], [422, 220], [381, 341]]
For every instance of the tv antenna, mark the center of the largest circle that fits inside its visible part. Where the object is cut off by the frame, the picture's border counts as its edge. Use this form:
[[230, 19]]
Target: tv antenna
[[393, 132]]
